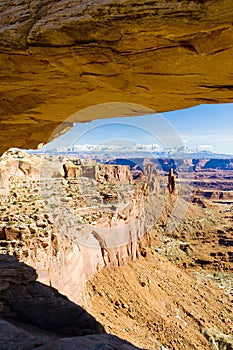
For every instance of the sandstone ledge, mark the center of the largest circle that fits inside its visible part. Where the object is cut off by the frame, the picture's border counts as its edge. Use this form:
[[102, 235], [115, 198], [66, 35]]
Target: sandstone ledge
[[58, 57]]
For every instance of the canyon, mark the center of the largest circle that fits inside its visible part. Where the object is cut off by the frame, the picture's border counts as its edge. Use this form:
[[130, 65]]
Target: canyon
[[168, 283], [107, 223], [154, 288]]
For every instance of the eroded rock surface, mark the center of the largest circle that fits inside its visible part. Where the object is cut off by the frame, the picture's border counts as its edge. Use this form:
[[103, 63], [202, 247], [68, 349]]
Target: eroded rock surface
[[74, 227], [113, 173], [58, 57], [36, 316], [92, 342], [13, 337], [30, 302]]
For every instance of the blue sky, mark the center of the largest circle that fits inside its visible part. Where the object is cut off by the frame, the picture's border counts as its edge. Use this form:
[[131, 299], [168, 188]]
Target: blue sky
[[205, 125], [208, 127]]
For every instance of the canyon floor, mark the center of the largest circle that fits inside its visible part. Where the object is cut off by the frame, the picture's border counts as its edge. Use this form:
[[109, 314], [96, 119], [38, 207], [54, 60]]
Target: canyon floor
[[178, 294]]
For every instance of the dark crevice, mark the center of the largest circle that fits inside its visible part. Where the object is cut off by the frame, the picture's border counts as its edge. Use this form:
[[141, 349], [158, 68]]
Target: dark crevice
[[143, 87], [169, 74], [129, 53], [99, 74], [205, 99], [188, 46], [218, 87], [219, 51]]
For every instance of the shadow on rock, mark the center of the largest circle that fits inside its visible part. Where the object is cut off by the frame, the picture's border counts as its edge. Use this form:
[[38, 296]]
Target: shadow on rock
[[34, 315]]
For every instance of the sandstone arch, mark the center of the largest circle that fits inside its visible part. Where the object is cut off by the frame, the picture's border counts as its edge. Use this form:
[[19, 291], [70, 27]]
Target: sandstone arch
[[59, 57]]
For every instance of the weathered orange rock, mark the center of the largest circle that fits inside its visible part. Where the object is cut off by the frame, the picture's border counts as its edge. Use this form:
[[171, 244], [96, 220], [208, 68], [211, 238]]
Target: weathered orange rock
[[64, 250], [59, 57], [113, 173], [12, 233], [172, 182], [71, 170]]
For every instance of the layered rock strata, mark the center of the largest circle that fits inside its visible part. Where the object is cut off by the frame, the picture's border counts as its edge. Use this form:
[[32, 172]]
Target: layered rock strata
[[60, 230], [59, 57]]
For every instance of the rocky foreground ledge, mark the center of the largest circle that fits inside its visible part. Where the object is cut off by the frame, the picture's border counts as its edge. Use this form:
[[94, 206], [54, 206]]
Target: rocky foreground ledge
[[37, 316]]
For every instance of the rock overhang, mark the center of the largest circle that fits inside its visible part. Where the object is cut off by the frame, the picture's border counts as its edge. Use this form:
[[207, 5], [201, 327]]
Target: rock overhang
[[59, 57]]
